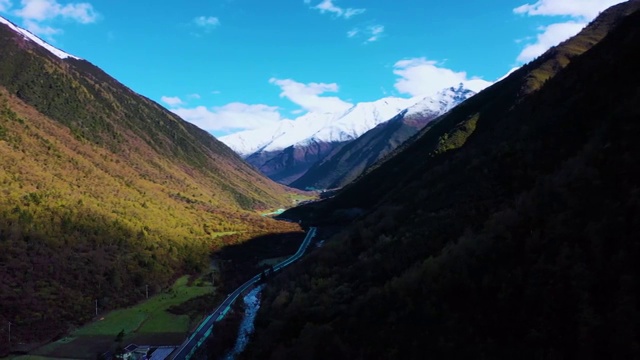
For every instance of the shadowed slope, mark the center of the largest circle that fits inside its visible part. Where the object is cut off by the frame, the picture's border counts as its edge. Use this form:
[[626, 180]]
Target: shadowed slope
[[509, 229]]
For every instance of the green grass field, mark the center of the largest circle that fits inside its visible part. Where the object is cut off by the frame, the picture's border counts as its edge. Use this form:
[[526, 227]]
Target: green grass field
[[148, 322], [149, 316]]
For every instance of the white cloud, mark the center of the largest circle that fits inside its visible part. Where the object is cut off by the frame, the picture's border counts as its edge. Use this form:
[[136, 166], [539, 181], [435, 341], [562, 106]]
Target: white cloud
[[36, 14], [327, 6], [585, 9], [582, 11], [353, 33], [5, 5], [195, 96], [41, 10], [422, 77], [207, 22], [234, 116], [550, 36], [172, 100], [308, 96]]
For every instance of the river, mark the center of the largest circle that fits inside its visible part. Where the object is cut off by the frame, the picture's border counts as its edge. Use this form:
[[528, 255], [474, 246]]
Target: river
[[251, 306]]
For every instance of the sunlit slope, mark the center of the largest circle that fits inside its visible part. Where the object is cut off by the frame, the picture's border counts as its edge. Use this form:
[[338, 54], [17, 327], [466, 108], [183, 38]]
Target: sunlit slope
[[105, 192]]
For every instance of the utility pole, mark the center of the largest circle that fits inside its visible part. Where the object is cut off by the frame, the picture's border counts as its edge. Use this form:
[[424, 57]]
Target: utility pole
[[147, 289], [96, 307], [9, 333]]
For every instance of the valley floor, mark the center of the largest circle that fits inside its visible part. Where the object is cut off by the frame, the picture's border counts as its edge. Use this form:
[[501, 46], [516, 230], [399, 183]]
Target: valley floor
[[147, 323]]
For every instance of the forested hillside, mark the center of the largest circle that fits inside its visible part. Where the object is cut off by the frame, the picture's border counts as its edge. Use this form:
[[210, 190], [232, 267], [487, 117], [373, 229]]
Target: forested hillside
[[105, 192], [507, 230]]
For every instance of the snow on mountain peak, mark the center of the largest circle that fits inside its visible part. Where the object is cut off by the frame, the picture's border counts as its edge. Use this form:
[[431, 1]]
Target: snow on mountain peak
[[28, 35], [346, 126], [442, 102], [361, 118]]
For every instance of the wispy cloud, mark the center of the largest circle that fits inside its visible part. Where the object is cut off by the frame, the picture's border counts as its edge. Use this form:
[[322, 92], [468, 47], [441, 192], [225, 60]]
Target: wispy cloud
[[328, 6], [375, 32], [370, 33], [422, 77], [308, 96], [172, 100], [206, 23], [195, 96], [581, 12]]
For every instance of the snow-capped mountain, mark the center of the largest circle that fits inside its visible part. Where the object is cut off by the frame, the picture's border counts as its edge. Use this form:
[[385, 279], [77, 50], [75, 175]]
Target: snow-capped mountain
[[349, 161], [29, 36], [359, 119], [330, 127], [314, 127], [285, 133], [442, 102], [287, 150]]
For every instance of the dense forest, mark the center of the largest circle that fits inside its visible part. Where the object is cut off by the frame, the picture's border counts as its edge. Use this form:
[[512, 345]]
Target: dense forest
[[507, 229], [104, 192]]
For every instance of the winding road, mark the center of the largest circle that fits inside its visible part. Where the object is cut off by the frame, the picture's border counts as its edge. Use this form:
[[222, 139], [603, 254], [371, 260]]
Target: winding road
[[198, 337]]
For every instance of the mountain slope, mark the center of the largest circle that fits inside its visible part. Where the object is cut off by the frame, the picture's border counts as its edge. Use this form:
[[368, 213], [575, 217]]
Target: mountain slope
[[287, 165], [104, 191], [349, 161], [508, 229]]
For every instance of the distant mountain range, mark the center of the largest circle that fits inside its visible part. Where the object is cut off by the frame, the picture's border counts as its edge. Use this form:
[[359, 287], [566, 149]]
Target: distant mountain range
[[104, 191], [351, 159], [288, 150]]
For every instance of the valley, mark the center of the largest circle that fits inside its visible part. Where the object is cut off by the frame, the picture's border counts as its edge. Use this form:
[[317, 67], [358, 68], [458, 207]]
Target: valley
[[445, 216]]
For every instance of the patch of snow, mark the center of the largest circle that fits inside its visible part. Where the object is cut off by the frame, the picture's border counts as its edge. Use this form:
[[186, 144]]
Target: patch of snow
[[28, 35], [442, 102]]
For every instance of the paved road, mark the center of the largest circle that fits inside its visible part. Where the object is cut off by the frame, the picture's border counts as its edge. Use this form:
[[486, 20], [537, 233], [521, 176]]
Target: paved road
[[197, 338]]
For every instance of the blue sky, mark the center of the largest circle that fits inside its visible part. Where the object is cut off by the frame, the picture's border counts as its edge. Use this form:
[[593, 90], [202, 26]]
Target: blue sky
[[231, 65]]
